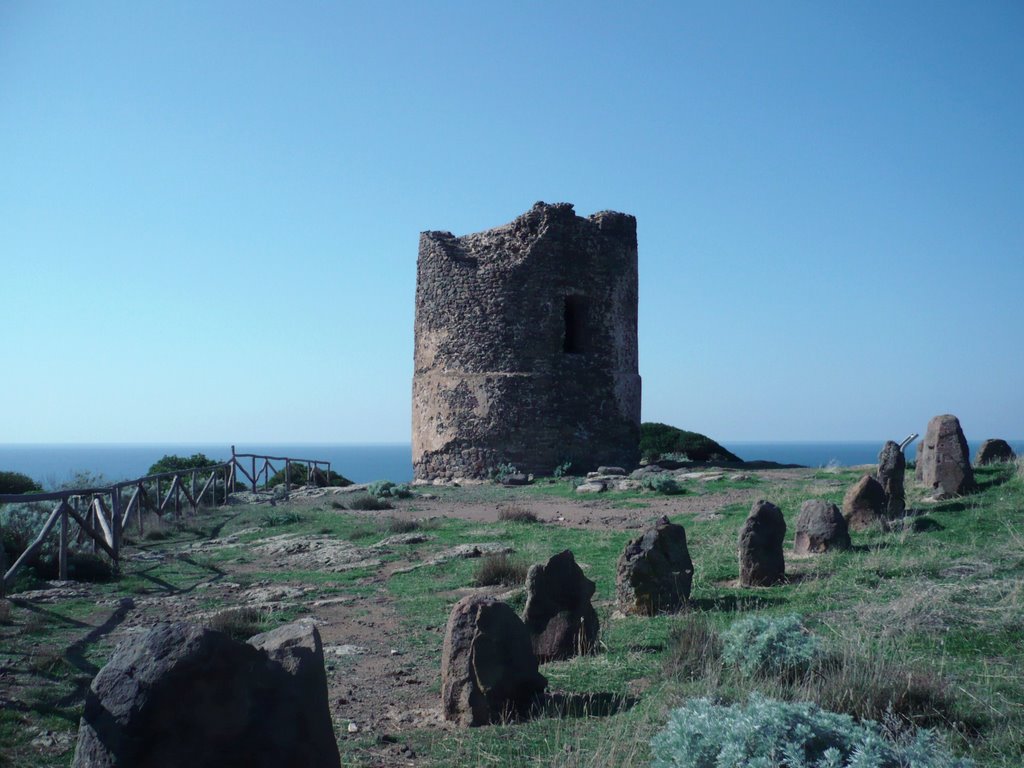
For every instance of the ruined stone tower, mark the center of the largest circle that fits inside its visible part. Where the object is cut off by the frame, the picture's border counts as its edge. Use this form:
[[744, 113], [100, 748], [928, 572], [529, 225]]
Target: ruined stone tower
[[526, 346]]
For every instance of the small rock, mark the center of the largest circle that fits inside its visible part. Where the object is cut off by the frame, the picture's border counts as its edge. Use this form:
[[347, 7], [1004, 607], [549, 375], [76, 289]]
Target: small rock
[[611, 471], [993, 451], [353, 728], [863, 504], [592, 486], [820, 527], [654, 572]]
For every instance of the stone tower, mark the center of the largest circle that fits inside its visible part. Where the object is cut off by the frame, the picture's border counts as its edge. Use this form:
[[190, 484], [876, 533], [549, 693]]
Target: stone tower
[[526, 346]]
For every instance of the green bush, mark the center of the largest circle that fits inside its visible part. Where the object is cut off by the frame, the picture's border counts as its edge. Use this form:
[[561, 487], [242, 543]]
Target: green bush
[[15, 482], [172, 463], [661, 484], [299, 474], [764, 733], [770, 645], [384, 489], [369, 503], [657, 440]]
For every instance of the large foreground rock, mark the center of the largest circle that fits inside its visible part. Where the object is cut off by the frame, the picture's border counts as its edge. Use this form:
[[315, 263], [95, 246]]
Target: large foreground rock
[[943, 461], [993, 451], [184, 696], [820, 527], [488, 670], [760, 546], [863, 504], [561, 620], [655, 572], [892, 466]]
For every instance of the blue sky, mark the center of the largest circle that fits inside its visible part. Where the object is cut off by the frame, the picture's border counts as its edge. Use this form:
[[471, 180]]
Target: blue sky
[[209, 212]]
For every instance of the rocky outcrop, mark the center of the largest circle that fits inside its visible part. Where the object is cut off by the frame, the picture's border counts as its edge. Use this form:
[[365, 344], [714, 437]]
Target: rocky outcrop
[[561, 620], [760, 546], [488, 670], [184, 695], [943, 462], [820, 527], [655, 572], [993, 451], [863, 504], [892, 467]]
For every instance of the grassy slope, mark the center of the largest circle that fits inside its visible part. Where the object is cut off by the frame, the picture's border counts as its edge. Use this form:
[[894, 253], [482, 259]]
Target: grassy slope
[[944, 596]]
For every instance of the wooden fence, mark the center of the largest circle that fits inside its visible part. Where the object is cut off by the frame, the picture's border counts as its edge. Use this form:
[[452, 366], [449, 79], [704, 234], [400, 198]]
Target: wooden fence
[[102, 514]]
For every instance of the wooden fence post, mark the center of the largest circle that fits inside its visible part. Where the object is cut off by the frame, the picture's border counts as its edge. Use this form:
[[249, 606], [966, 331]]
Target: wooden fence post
[[115, 525], [287, 477], [62, 570]]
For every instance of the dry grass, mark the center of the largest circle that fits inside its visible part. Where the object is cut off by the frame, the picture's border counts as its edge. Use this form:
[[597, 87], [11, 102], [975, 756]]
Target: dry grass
[[694, 650], [500, 569], [513, 513], [238, 623], [368, 503]]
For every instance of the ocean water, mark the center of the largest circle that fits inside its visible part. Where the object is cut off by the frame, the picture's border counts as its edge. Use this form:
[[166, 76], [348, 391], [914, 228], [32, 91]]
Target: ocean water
[[51, 465]]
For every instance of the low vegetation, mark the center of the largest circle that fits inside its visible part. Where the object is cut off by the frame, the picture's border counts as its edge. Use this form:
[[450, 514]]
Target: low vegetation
[[908, 644], [663, 441]]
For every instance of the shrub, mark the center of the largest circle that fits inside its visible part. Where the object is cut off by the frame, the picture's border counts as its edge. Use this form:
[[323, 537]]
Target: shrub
[[398, 525], [238, 623], [21, 523], [516, 514], [500, 569], [369, 503], [770, 645], [299, 474], [386, 489], [173, 463], [275, 520], [662, 484], [563, 470], [694, 649], [15, 482], [503, 472], [656, 440], [764, 733]]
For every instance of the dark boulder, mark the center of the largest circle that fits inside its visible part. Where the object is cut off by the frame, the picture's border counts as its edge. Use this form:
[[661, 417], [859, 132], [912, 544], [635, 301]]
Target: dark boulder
[[760, 546], [184, 695], [655, 571], [892, 467], [820, 527], [561, 620], [943, 462], [994, 451], [488, 670], [864, 503]]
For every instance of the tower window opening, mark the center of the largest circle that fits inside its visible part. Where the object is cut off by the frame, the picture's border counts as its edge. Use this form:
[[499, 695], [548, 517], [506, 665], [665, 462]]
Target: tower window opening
[[575, 340]]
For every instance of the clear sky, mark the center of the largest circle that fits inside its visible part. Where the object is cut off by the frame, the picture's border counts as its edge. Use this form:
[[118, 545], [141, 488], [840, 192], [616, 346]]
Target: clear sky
[[209, 211]]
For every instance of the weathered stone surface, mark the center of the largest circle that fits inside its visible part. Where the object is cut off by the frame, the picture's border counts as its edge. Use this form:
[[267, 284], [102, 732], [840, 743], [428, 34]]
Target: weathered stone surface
[[944, 463], [561, 620], [863, 504], [611, 471], [820, 527], [592, 486], [655, 572], [183, 695], [517, 479], [488, 670], [526, 346], [760, 546], [892, 466], [993, 451]]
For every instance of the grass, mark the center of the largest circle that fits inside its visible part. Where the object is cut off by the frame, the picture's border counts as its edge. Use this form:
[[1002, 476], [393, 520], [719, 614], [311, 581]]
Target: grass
[[919, 625], [500, 570]]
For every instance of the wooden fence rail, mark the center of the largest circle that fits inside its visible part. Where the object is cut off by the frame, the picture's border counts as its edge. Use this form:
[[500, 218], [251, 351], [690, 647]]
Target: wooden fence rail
[[103, 513]]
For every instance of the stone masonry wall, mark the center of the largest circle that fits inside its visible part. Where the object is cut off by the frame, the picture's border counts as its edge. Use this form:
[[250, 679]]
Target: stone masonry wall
[[526, 346]]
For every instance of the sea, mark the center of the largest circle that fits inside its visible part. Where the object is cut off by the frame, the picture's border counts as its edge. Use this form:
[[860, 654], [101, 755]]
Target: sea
[[52, 465]]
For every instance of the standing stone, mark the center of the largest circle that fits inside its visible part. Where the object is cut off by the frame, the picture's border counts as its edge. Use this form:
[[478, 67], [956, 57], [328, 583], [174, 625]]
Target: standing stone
[[993, 451], [559, 615], [184, 695], [488, 670], [944, 462], [892, 466], [760, 546], [863, 504], [655, 571], [820, 527]]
